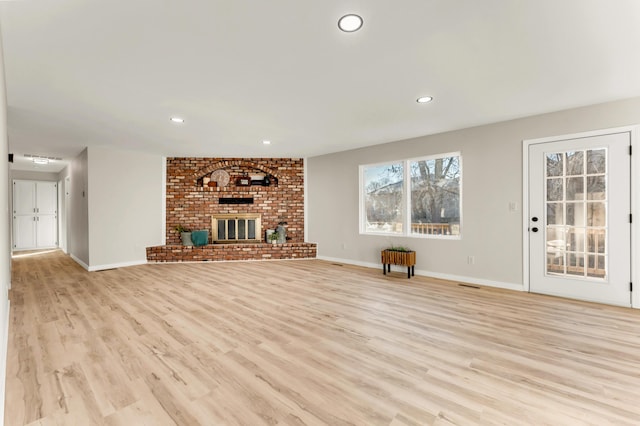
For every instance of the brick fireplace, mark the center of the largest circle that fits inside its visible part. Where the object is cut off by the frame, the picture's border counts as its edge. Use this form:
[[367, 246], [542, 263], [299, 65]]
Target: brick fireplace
[[192, 202]]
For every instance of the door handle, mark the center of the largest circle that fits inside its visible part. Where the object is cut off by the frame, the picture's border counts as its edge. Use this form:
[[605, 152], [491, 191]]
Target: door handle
[[534, 229], [534, 219]]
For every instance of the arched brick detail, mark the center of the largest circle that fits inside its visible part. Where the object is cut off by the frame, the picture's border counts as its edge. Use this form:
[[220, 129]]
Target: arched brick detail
[[227, 163]]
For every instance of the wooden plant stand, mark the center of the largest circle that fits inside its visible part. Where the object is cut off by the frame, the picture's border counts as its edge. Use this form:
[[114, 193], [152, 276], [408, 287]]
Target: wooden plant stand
[[402, 258]]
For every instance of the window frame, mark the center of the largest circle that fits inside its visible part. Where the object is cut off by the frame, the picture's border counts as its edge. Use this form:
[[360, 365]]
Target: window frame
[[406, 198], [362, 219]]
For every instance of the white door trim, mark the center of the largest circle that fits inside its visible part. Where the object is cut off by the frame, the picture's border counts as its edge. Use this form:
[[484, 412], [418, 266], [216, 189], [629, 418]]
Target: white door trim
[[634, 132]]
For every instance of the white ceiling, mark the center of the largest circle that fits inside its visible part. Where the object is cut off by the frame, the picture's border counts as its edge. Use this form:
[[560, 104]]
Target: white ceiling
[[91, 72]]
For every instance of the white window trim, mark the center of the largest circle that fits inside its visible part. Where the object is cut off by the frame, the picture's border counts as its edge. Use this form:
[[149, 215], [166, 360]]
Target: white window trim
[[406, 199], [362, 210]]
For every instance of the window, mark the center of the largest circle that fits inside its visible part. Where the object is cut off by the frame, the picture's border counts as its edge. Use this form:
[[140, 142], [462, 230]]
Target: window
[[383, 189], [417, 197], [435, 196]]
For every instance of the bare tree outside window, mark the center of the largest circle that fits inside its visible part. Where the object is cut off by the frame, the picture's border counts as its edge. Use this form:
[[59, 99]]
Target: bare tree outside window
[[435, 196], [425, 204], [383, 187]]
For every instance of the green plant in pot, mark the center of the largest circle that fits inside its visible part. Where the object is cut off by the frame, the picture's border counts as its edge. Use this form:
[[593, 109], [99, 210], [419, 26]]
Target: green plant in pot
[[399, 248], [274, 238], [185, 235]]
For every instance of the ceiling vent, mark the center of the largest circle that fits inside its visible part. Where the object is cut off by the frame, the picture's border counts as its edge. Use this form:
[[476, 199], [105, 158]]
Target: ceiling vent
[[44, 157]]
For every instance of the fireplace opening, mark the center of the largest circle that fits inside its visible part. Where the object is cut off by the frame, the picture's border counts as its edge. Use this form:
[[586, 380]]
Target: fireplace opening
[[236, 228]]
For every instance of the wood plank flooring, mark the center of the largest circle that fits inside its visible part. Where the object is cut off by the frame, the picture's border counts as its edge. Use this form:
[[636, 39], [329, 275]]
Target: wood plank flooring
[[307, 343]]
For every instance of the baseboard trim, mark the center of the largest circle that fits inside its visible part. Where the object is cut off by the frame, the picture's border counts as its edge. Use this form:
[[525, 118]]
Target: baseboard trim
[[96, 268], [116, 265], [3, 359], [14, 249], [350, 262], [79, 262], [431, 274]]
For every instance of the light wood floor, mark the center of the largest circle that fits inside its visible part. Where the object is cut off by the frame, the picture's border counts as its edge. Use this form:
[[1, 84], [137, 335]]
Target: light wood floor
[[307, 343]]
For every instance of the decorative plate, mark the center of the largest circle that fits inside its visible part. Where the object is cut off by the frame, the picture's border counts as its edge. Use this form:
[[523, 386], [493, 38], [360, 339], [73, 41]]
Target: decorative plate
[[221, 177]]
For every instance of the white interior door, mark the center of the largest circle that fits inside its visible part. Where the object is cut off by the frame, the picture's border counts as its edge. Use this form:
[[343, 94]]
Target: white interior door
[[24, 214], [579, 218], [47, 214], [24, 232], [35, 209], [46, 231], [24, 197], [46, 198]]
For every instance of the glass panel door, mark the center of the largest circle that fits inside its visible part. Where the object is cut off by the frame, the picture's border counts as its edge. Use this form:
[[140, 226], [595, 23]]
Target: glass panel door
[[576, 213], [579, 192]]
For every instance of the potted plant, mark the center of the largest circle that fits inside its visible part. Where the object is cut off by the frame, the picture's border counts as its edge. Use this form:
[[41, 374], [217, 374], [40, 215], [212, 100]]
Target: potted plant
[[398, 255], [185, 235], [399, 248], [274, 238], [281, 231]]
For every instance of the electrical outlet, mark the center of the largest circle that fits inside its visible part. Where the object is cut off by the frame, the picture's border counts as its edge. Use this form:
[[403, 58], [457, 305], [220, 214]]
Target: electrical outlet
[[471, 260], [344, 246]]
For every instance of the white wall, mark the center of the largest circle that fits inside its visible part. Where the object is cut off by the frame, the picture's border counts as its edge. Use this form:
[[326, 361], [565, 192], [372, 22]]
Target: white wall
[[125, 206], [63, 222], [33, 175], [78, 214], [5, 240], [492, 178]]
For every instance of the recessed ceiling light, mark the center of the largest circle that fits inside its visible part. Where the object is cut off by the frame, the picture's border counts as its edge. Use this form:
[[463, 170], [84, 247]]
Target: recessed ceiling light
[[424, 99], [350, 23], [266, 142], [177, 119]]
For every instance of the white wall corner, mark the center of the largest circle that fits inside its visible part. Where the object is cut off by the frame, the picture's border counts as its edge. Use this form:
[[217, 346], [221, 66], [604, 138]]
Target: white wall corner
[[163, 206], [79, 262], [305, 199]]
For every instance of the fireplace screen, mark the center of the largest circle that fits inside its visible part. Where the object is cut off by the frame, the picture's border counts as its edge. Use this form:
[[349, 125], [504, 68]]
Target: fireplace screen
[[232, 228]]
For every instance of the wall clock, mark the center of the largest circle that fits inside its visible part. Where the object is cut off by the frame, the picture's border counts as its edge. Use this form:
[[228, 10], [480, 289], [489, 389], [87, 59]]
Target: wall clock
[[221, 177]]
